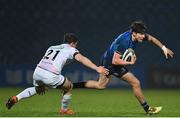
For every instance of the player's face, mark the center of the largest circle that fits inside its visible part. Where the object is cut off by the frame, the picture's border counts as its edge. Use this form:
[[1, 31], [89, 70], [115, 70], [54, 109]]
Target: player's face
[[74, 44], [139, 36]]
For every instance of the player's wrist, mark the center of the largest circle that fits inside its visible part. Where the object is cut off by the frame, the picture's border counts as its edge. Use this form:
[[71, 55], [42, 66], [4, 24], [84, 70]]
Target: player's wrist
[[164, 48], [96, 68]]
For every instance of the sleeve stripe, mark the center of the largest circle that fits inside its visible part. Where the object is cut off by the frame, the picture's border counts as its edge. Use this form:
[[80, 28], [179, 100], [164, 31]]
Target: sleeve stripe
[[118, 52], [75, 54]]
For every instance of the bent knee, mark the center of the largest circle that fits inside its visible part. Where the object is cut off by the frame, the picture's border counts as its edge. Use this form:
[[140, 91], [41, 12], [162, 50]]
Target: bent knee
[[100, 87], [67, 86]]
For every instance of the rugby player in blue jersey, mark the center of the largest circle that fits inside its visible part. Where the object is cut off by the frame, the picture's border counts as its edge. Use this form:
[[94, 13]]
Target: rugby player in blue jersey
[[111, 60]]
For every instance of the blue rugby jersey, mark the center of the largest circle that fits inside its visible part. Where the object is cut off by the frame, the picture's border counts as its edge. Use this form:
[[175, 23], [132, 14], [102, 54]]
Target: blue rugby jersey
[[120, 44]]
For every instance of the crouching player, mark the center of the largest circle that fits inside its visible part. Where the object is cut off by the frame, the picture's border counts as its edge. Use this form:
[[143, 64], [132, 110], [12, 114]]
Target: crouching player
[[48, 73]]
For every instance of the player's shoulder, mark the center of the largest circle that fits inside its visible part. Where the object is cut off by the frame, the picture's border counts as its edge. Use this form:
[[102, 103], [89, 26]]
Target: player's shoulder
[[61, 46], [124, 37], [125, 34], [65, 47], [54, 46], [70, 48]]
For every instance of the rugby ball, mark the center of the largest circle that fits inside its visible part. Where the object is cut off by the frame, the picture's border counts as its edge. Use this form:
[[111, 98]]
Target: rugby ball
[[128, 54]]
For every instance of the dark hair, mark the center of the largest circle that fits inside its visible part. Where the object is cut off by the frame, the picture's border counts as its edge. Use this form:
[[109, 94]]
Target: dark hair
[[70, 38], [138, 27]]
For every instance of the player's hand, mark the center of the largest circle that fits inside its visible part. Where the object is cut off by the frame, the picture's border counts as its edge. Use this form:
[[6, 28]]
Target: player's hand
[[133, 60], [102, 70], [167, 52]]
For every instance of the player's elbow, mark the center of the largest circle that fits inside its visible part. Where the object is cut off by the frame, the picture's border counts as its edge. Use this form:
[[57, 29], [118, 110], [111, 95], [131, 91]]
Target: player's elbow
[[114, 62], [116, 59]]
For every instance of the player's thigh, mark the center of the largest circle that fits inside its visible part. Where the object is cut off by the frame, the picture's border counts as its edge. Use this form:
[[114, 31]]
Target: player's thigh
[[130, 78], [47, 78]]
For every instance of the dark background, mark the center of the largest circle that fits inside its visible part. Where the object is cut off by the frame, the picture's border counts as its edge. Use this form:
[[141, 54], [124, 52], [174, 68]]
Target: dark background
[[29, 27]]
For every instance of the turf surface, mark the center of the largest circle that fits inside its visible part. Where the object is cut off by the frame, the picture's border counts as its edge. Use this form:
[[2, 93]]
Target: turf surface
[[92, 103]]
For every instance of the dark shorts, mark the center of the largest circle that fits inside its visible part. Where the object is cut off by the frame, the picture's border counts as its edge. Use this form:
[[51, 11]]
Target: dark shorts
[[115, 70]]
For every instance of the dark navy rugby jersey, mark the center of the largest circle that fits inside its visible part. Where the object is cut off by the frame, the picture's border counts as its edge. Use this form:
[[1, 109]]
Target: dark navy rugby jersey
[[120, 44]]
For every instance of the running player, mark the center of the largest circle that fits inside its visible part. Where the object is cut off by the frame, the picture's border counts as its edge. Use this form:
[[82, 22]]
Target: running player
[[111, 60]]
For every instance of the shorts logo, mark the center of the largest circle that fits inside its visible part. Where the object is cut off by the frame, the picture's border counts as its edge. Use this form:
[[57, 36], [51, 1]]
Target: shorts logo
[[116, 74]]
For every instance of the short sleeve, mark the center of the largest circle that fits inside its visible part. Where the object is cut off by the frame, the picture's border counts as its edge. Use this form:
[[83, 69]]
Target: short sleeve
[[121, 48], [146, 37], [74, 51]]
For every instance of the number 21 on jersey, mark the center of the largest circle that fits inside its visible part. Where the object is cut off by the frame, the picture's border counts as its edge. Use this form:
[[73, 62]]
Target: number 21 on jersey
[[51, 54]]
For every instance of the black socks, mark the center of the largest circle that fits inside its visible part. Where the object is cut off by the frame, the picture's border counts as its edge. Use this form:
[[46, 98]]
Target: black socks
[[79, 85], [145, 106]]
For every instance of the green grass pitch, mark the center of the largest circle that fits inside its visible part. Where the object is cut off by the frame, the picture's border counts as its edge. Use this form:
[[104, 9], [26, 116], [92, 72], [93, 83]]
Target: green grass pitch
[[92, 103]]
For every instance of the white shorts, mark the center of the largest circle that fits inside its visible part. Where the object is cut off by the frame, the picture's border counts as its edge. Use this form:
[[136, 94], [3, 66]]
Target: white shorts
[[48, 78]]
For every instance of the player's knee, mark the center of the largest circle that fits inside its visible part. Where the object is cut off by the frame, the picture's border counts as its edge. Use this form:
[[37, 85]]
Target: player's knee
[[70, 86], [136, 83], [67, 86], [101, 87]]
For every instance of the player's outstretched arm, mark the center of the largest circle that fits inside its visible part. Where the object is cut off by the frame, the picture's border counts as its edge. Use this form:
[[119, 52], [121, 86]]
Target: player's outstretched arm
[[167, 52], [85, 61]]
